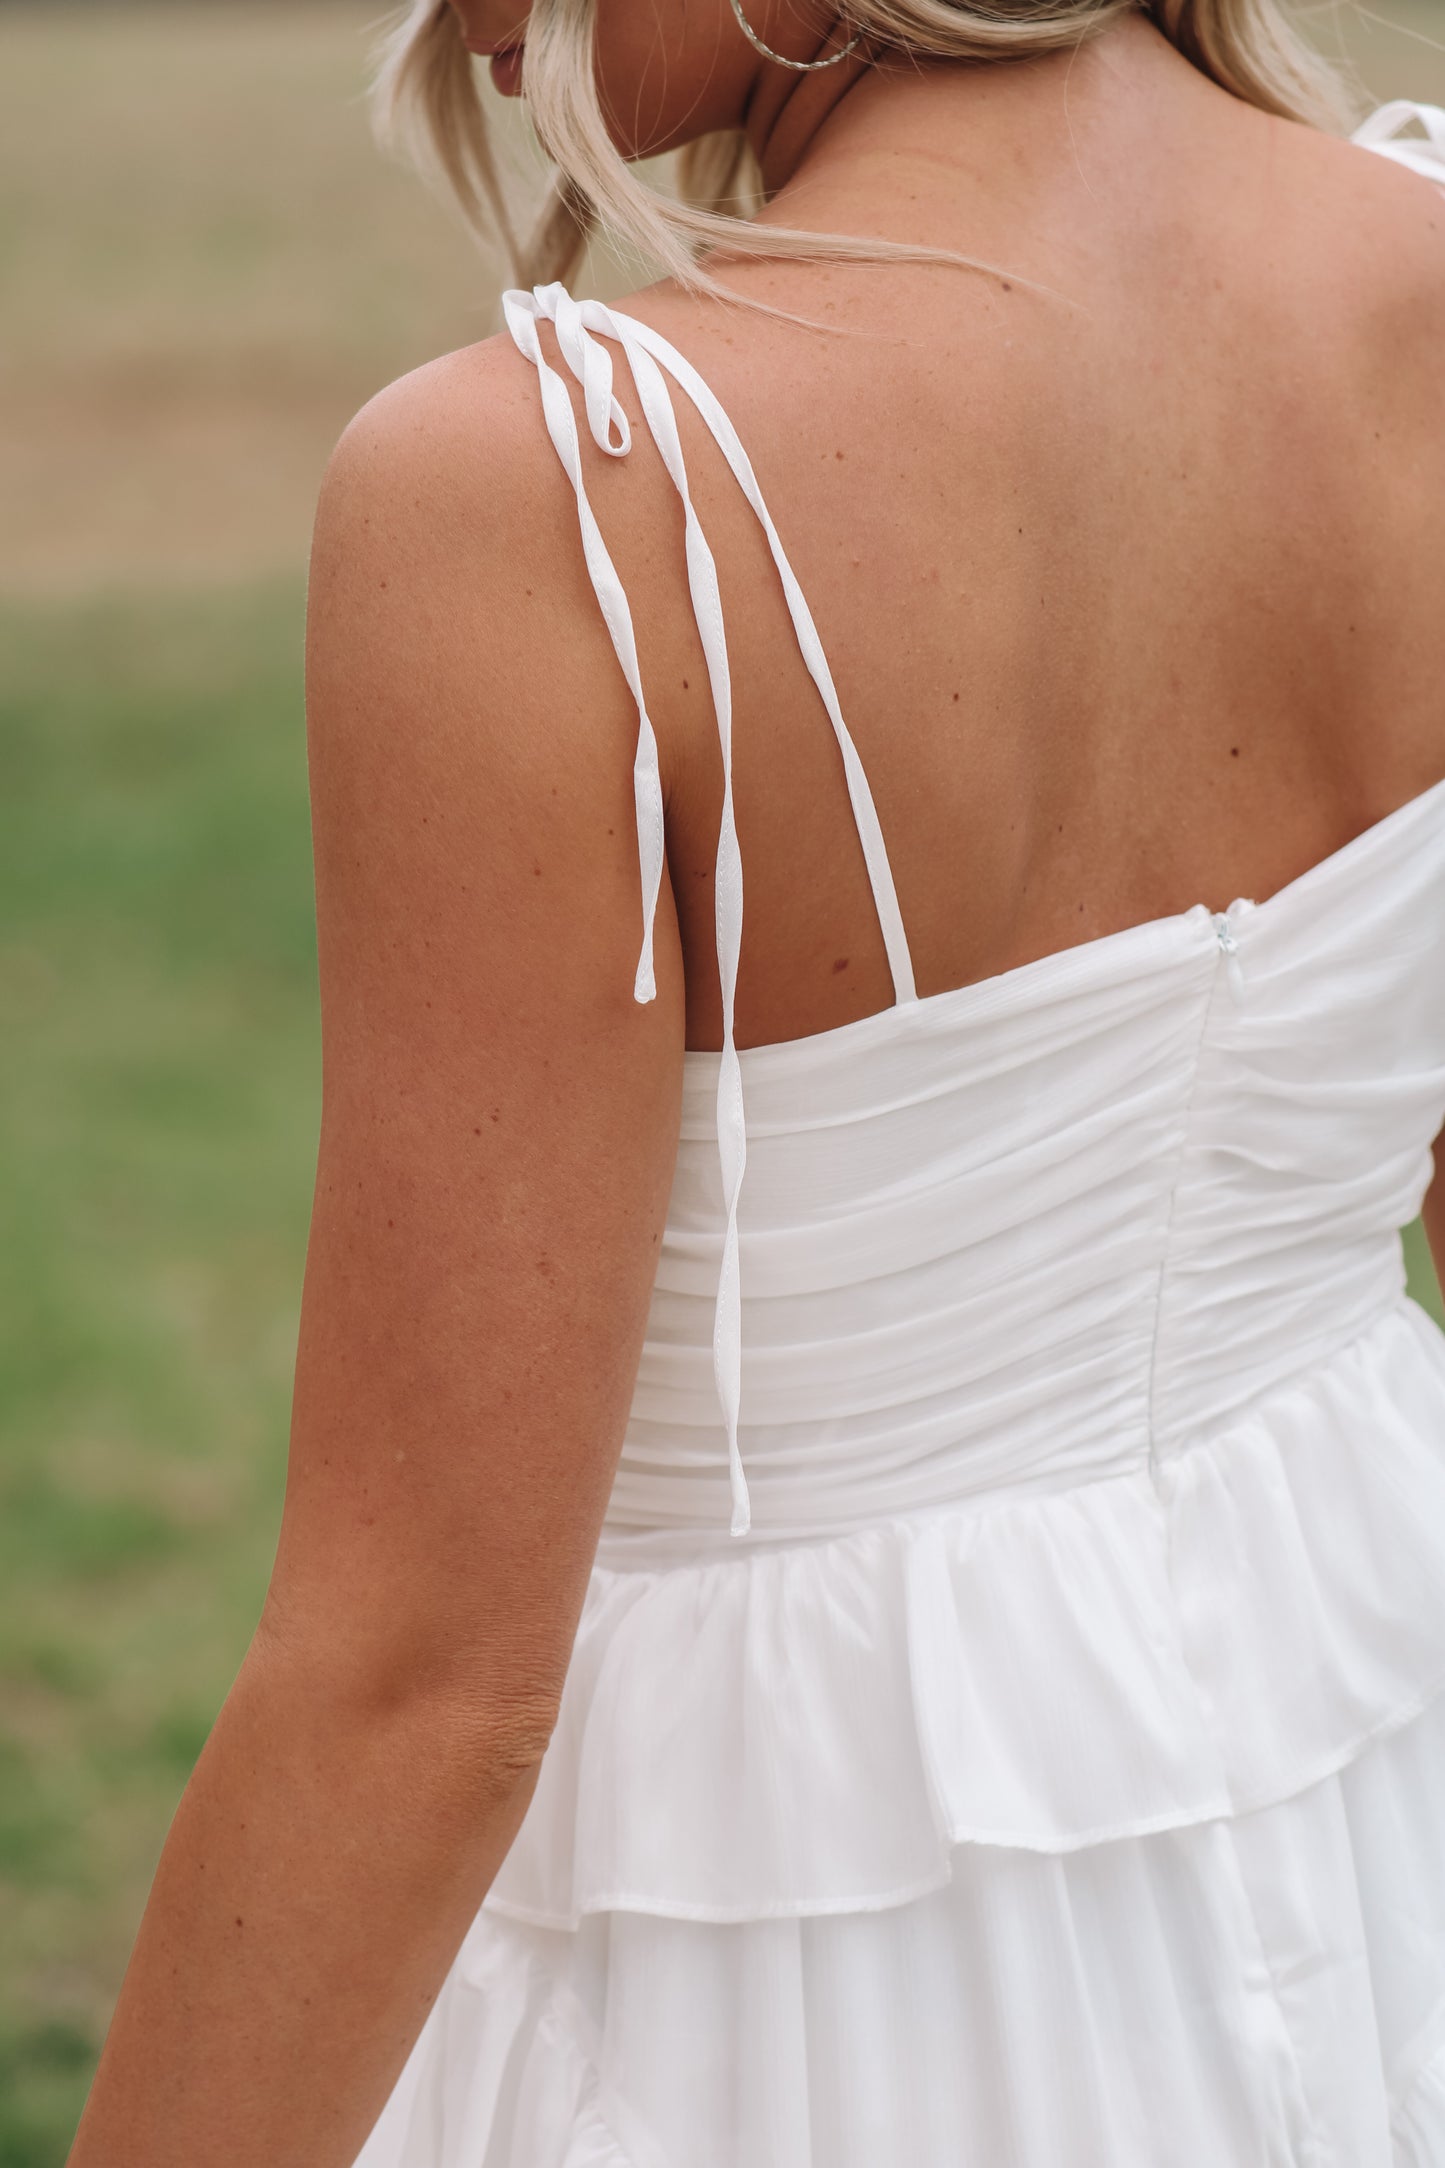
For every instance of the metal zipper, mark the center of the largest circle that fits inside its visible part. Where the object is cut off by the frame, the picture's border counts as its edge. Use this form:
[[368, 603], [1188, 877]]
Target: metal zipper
[[1228, 941]]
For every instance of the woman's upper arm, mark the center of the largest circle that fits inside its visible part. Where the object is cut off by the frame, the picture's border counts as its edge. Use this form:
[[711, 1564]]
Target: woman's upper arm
[[1434, 1211], [499, 1116]]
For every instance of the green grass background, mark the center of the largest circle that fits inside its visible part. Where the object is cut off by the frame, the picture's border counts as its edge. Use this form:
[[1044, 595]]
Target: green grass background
[[158, 1109], [159, 1133]]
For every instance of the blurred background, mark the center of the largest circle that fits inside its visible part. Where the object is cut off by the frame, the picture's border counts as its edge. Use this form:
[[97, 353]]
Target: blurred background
[[205, 268]]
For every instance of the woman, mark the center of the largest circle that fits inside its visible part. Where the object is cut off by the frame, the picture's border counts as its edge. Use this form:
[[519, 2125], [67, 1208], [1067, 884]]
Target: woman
[[880, 1597]]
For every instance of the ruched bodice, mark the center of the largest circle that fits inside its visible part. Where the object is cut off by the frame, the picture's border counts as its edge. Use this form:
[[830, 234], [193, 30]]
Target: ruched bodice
[[1054, 1225], [1075, 1324], [1007, 1717]]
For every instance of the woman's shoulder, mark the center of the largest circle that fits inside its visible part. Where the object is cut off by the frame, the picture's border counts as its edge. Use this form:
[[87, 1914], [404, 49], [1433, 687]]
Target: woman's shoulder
[[462, 424], [1374, 202], [441, 483], [442, 549], [1370, 288]]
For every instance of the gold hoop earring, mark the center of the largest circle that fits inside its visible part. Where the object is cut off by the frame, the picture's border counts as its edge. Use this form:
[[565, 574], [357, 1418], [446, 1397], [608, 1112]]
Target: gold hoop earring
[[802, 66]]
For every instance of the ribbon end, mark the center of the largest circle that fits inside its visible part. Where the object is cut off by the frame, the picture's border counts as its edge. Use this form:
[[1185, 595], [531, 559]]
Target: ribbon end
[[742, 1519]]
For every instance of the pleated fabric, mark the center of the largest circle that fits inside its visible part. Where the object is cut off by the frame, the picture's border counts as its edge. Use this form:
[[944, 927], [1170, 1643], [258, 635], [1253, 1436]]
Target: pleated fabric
[[1007, 1719]]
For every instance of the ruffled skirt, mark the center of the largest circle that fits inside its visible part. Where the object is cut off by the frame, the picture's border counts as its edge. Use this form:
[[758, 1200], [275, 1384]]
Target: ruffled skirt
[[1102, 1828], [1251, 1992]]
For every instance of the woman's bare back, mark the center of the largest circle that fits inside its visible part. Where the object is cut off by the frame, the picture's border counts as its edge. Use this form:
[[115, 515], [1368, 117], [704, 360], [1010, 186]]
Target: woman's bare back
[[1130, 595]]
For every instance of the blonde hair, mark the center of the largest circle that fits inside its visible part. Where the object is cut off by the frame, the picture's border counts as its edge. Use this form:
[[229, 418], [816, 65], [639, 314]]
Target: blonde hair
[[425, 101]]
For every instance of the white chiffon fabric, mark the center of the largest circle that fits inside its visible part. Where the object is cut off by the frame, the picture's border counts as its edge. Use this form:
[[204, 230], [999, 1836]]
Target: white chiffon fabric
[[1007, 1720]]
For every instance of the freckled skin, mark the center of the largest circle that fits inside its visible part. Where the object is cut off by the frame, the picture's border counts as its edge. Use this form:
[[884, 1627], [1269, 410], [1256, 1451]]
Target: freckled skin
[[1105, 459]]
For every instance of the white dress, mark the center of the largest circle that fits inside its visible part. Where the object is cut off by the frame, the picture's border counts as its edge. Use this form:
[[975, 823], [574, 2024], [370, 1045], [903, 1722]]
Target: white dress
[[1037, 1758]]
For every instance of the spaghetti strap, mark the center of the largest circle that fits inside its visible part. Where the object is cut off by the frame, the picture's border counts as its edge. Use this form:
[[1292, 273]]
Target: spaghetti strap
[[1380, 131], [581, 327]]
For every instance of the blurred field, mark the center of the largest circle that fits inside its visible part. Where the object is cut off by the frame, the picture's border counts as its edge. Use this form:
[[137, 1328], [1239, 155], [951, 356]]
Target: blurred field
[[204, 269], [157, 971]]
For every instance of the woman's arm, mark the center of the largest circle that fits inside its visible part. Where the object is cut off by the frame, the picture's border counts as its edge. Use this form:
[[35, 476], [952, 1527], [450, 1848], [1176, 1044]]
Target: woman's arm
[[498, 1134], [1433, 1211]]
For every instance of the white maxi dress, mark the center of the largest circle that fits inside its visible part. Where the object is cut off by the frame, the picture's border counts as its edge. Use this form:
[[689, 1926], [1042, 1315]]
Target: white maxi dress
[[1036, 1759]]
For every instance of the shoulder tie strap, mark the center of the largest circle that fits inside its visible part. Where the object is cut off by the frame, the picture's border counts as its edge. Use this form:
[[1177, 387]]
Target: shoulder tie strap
[[1380, 131], [649, 354]]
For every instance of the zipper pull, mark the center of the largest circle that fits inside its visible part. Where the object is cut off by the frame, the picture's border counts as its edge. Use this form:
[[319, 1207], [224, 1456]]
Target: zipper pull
[[1224, 934]]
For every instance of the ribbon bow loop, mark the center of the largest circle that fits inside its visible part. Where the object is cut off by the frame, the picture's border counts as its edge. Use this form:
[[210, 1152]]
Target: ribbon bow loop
[[591, 364]]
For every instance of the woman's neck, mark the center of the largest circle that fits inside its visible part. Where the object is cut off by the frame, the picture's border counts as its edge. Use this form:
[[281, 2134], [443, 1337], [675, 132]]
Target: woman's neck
[[815, 129]]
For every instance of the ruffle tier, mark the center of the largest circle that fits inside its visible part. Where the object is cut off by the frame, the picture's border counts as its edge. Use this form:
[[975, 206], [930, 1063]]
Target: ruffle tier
[[505, 2071], [1022, 1831], [1267, 1990], [815, 1728]]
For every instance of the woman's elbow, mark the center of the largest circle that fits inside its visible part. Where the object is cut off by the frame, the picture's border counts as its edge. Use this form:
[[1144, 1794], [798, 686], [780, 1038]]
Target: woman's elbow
[[490, 1712], [1433, 1211]]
